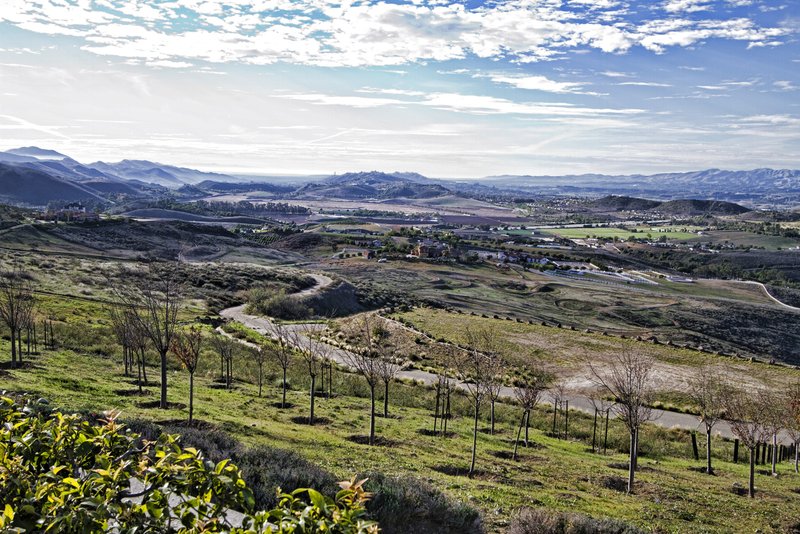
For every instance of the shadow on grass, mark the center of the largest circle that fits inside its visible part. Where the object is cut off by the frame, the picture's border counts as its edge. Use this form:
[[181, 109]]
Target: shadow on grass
[[380, 441], [438, 433], [303, 420], [157, 404], [132, 392]]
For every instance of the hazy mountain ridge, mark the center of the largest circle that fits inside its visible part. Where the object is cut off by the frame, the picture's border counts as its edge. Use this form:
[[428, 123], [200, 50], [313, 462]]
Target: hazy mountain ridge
[[685, 207]]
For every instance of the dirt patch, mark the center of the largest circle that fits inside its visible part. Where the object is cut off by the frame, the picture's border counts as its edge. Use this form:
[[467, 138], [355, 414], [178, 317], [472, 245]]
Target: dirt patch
[[380, 441], [157, 404], [438, 433], [132, 392], [318, 421], [458, 471]]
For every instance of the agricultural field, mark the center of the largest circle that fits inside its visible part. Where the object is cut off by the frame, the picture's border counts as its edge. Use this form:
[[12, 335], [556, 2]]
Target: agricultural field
[[678, 233]]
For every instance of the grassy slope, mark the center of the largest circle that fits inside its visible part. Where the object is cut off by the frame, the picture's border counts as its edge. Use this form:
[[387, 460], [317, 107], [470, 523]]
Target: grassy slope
[[561, 474]]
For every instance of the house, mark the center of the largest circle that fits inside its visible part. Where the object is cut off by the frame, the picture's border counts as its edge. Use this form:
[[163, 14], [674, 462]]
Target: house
[[74, 212], [431, 249]]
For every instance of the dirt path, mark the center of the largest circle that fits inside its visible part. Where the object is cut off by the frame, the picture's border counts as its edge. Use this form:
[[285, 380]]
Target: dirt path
[[577, 402], [771, 297]]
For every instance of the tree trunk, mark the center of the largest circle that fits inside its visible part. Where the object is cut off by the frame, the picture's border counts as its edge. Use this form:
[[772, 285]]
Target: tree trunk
[[797, 457], [555, 414], [191, 398], [163, 402], [491, 417], [708, 452], [386, 399], [605, 438], [566, 420], [594, 432], [446, 410], [636, 450], [527, 425], [260, 374], [774, 454], [372, 414], [228, 373], [283, 400], [436, 410], [222, 366], [125, 362], [139, 377], [144, 367], [519, 432], [330, 380], [474, 439], [632, 462], [13, 349], [751, 486], [313, 386]]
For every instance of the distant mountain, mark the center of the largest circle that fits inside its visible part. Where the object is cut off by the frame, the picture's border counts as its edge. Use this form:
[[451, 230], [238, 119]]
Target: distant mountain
[[37, 153], [23, 185], [747, 186], [156, 173], [689, 207], [372, 185]]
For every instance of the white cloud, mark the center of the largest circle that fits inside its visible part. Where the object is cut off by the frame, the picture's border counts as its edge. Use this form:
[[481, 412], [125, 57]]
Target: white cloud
[[646, 84], [785, 85], [371, 32], [538, 83]]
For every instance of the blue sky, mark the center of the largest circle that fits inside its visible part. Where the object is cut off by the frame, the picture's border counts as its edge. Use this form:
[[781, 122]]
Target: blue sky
[[448, 89]]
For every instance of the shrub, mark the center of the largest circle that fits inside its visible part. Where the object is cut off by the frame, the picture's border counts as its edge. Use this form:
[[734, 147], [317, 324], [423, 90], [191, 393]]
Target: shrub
[[405, 504], [542, 521], [61, 472]]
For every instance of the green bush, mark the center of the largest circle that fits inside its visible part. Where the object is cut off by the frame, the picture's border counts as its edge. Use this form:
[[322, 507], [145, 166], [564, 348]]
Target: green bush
[[60, 472]]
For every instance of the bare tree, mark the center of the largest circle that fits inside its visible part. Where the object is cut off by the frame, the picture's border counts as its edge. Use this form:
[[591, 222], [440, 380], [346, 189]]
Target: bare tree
[[314, 354], [774, 420], [365, 360], [793, 421], [259, 355], [707, 391], [283, 352], [746, 414], [528, 391], [224, 347], [16, 305], [386, 351], [154, 301], [121, 328], [495, 371], [473, 369], [602, 407], [186, 346], [628, 380], [558, 392], [443, 386]]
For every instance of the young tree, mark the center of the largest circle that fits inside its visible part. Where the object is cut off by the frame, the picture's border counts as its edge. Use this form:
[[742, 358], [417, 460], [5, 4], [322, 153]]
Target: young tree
[[473, 369], [224, 347], [364, 359], [774, 419], [186, 346], [602, 407], [314, 354], [154, 301], [746, 412], [495, 371], [528, 391], [793, 421], [16, 305], [558, 392], [259, 355], [707, 391], [121, 328], [628, 379], [283, 352]]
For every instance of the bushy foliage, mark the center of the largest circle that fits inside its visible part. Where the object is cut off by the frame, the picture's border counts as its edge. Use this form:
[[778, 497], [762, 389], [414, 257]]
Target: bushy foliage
[[405, 504], [59, 472], [279, 305], [542, 521]]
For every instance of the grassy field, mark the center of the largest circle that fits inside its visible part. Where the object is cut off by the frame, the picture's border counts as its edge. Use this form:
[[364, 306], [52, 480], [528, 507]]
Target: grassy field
[[678, 233], [558, 474], [568, 352]]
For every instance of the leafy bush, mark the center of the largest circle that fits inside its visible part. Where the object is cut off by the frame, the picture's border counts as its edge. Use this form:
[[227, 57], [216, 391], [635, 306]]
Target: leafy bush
[[541, 521], [409, 505], [279, 305], [59, 472]]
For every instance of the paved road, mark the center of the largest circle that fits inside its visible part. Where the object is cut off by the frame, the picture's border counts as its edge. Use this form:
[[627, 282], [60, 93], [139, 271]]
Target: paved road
[[578, 402]]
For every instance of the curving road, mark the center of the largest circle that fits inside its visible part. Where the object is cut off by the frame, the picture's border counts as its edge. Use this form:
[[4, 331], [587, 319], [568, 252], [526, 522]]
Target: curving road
[[578, 402]]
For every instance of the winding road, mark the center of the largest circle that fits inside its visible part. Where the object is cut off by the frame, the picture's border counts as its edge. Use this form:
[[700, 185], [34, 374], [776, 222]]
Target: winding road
[[264, 326]]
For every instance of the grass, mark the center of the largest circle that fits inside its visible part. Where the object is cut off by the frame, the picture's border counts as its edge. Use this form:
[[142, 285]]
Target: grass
[[557, 474], [670, 232], [568, 351]]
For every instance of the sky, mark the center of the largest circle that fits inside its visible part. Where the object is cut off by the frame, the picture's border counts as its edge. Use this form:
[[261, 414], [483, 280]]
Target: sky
[[440, 87]]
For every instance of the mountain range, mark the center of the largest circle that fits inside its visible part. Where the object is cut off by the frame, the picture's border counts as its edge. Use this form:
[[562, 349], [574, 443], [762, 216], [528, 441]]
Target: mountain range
[[37, 176]]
